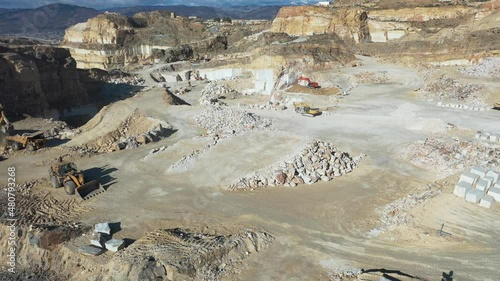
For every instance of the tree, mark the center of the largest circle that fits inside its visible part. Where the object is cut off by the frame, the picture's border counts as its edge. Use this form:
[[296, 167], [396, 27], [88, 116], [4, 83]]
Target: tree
[[227, 19], [216, 19]]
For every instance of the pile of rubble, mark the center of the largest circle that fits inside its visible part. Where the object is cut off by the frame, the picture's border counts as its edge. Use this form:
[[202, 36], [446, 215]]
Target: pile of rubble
[[380, 77], [214, 92], [183, 164], [182, 254], [223, 120], [449, 156], [102, 240], [137, 129], [59, 130], [269, 105], [119, 77], [318, 161], [397, 212], [489, 67], [448, 88]]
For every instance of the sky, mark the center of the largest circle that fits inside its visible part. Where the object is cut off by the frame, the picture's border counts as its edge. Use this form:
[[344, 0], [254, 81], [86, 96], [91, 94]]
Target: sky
[[102, 4]]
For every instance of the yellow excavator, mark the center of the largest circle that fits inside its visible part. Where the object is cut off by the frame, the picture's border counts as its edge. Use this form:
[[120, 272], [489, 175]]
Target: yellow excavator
[[65, 174], [306, 109]]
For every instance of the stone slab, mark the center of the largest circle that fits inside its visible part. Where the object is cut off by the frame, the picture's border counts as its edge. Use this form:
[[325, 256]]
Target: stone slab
[[91, 250], [487, 201], [99, 239], [114, 245], [462, 188], [469, 178], [102, 228], [480, 171]]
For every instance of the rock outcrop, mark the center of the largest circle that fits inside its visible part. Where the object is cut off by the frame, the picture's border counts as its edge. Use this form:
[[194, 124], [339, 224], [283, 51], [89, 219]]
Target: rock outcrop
[[111, 40], [441, 32], [34, 78], [349, 24]]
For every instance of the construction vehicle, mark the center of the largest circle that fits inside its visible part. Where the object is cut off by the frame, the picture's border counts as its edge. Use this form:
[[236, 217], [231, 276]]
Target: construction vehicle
[[496, 106], [306, 109], [31, 142], [65, 174], [5, 126], [304, 81]]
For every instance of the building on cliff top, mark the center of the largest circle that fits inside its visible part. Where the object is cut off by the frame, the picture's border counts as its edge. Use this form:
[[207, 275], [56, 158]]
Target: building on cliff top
[[324, 3]]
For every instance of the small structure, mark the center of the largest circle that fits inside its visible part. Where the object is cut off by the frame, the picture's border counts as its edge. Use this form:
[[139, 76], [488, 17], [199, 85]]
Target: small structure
[[323, 3]]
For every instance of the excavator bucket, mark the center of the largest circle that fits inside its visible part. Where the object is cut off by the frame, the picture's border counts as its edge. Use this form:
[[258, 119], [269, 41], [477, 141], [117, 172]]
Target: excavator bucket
[[90, 189]]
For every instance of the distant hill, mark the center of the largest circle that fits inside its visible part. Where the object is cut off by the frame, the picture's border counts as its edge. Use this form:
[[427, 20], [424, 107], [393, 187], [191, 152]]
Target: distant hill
[[205, 12], [50, 21], [49, 18]]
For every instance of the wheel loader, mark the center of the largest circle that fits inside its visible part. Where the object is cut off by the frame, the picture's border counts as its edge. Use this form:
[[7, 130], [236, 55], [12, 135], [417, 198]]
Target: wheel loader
[[65, 174], [29, 141]]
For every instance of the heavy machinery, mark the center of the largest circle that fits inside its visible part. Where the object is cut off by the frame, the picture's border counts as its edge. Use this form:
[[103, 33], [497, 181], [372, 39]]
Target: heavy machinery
[[31, 142], [304, 81], [5, 126], [65, 174], [306, 110], [496, 106]]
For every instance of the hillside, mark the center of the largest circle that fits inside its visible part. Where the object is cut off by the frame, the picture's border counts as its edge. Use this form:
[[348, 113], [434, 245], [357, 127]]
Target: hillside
[[53, 18], [205, 12]]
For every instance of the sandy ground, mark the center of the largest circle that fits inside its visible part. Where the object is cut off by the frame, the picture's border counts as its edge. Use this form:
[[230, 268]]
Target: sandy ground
[[319, 228]]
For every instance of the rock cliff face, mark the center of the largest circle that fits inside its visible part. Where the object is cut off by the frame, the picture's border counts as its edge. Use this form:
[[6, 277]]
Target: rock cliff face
[[410, 31], [362, 24], [34, 78], [349, 24], [113, 41]]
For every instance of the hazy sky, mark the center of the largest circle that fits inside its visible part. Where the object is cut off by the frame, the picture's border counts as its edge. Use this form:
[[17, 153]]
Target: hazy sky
[[113, 3]]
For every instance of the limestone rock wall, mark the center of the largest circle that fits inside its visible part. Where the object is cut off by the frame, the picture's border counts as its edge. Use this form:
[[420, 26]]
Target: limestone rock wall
[[308, 20], [362, 24], [35, 78], [113, 41]]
